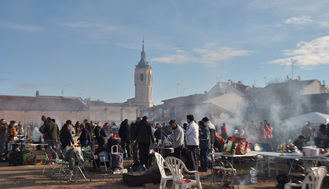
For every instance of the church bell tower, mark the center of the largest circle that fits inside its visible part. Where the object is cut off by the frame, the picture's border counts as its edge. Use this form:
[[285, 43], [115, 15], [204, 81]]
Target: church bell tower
[[143, 82]]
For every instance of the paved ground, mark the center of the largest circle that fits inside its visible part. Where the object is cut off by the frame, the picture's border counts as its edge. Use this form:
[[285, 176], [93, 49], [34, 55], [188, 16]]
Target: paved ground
[[31, 177]]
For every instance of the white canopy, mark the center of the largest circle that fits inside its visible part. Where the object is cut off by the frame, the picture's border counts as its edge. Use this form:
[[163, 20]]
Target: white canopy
[[292, 127], [315, 118]]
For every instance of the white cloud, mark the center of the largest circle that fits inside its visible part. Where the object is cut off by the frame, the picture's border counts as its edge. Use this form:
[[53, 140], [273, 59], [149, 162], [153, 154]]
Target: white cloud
[[209, 54], [313, 53], [180, 51], [21, 27], [174, 59], [303, 20], [212, 55]]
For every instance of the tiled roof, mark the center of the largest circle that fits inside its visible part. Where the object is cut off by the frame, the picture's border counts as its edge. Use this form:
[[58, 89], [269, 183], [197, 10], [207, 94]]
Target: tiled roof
[[295, 83], [186, 100], [42, 103], [225, 87]]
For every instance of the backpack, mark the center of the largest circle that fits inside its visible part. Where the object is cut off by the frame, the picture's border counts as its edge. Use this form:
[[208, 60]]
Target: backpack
[[15, 158], [282, 180]]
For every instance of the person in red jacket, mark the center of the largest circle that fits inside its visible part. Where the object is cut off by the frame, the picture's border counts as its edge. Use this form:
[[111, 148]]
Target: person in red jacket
[[223, 130]]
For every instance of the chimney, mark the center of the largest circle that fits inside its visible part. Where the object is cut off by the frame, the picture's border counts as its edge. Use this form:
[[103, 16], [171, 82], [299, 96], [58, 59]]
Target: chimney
[[37, 93]]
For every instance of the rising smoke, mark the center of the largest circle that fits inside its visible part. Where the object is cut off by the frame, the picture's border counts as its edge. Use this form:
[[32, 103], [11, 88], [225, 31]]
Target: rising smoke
[[274, 103]]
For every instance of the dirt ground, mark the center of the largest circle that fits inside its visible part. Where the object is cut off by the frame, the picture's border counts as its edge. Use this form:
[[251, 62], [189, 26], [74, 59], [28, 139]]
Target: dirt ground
[[31, 176]]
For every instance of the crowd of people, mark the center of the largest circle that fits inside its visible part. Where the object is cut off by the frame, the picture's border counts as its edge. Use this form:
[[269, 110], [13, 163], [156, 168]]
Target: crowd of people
[[7, 133], [319, 137], [192, 141]]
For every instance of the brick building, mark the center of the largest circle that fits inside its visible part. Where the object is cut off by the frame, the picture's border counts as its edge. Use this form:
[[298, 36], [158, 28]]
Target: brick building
[[29, 109]]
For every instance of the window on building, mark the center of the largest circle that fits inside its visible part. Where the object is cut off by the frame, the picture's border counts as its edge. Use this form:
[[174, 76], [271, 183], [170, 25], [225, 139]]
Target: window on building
[[142, 77]]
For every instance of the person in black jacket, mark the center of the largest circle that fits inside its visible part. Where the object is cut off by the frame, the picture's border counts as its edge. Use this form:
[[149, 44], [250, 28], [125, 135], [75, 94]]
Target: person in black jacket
[[133, 131], [77, 127], [158, 132], [88, 126], [99, 135], [212, 130], [65, 135], [84, 136], [204, 138], [144, 139], [124, 133]]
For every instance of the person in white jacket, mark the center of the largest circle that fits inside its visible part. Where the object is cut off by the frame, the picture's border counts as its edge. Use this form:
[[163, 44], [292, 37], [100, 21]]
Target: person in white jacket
[[192, 142], [177, 138]]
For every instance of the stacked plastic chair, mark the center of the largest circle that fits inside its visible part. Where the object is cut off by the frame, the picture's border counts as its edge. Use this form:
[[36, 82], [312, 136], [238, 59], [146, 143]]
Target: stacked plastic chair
[[161, 165], [177, 168]]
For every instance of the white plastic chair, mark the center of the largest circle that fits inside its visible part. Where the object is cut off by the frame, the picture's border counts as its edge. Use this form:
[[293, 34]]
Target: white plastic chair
[[161, 166], [177, 167], [313, 179], [115, 149]]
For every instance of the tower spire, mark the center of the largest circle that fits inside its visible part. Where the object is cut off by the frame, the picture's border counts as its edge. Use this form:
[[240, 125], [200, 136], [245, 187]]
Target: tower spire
[[143, 62], [143, 44]]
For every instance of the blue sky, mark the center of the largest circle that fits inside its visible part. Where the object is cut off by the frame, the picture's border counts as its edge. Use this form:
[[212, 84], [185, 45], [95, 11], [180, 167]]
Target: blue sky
[[90, 48]]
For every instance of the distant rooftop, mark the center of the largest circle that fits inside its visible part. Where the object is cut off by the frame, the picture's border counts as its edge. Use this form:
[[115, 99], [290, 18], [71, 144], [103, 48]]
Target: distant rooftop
[[224, 87], [42, 103]]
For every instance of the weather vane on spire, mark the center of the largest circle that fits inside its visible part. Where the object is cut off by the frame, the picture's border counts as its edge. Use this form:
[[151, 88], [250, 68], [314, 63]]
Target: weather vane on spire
[[143, 43]]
